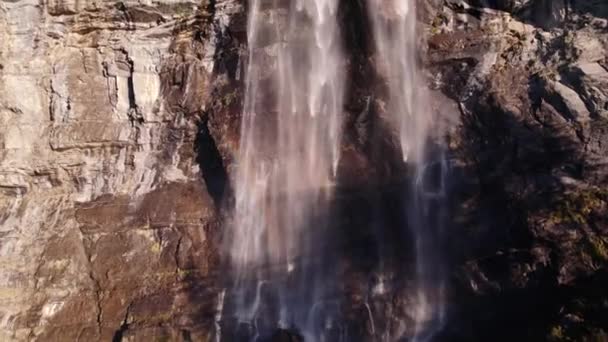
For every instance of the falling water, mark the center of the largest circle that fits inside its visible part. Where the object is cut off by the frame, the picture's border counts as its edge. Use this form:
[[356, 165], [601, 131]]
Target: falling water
[[394, 31], [288, 156], [289, 150], [219, 310]]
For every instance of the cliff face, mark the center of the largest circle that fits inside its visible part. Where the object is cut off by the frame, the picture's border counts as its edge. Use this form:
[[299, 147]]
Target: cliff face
[[104, 212], [120, 123]]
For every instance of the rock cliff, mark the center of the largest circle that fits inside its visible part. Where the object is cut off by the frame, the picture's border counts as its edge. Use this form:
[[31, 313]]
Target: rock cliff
[[106, 219], [119, 130]]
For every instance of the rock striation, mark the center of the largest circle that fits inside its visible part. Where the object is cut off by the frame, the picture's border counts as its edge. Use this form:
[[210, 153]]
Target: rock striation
[[106, 220]]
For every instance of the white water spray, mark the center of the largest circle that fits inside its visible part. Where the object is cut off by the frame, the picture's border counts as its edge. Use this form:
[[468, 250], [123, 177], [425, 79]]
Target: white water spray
[[289, 152], [394, 28], [219, 311]]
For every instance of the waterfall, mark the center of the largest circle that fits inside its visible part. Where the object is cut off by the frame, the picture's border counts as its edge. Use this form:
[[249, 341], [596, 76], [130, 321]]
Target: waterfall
[[287, 164], [395, 37], [288, 155]]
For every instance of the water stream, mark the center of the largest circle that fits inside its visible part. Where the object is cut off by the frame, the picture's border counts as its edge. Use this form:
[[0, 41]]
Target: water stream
[[289, 152], [395, 36]]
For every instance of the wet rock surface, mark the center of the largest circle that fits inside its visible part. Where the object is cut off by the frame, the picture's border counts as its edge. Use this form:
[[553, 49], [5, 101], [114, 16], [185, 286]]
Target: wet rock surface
[[119, 132]]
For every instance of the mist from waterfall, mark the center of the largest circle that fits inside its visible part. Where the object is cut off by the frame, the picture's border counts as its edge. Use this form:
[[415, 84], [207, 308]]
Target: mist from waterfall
[[395, 36], [289, 150]]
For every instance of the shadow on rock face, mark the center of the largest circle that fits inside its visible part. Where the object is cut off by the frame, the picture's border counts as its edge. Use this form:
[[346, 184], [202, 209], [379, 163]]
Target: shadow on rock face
[[211, 164], [285, 336], [526, 213]]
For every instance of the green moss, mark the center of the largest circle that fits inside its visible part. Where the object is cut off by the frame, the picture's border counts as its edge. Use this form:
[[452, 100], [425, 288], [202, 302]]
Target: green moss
[[594, 252], [598, 248], [558, 334], [183, 273], [575, 208], [232, 98], [156, 248], [437, 23]]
